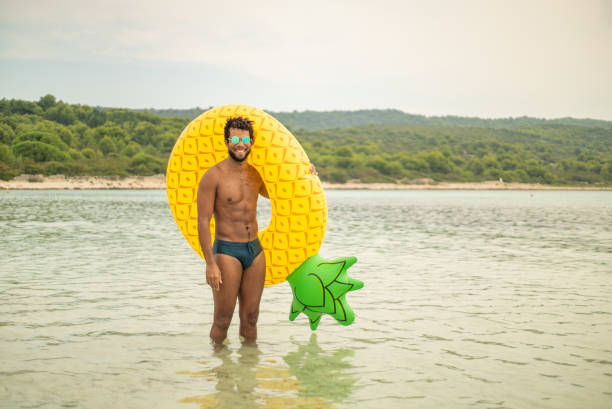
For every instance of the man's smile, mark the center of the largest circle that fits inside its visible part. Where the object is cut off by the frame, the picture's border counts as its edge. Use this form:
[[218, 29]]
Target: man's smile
[[239, 153]]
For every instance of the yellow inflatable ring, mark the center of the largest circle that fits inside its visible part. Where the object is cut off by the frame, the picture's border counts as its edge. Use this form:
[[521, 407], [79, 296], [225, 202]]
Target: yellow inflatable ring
[[299, 209]]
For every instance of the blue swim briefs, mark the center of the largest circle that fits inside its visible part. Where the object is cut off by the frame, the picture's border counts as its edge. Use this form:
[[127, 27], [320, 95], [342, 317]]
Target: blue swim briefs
[[243, 252]]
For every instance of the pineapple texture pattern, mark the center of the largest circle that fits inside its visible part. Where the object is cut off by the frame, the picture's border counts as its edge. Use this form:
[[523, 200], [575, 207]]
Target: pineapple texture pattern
[[299, 209]]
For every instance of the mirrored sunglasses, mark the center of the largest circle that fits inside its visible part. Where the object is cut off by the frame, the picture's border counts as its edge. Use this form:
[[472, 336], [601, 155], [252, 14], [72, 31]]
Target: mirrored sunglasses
[[245, 139]]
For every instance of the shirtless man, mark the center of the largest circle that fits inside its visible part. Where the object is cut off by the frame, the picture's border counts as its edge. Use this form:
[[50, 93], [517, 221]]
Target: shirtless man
[[235, 266]]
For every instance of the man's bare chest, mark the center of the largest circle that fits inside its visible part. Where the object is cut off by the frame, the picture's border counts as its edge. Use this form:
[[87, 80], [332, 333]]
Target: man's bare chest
[[237, 189]]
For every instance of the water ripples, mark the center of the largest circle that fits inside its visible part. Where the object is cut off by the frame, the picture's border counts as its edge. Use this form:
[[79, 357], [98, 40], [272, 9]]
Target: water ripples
[[472, 299]]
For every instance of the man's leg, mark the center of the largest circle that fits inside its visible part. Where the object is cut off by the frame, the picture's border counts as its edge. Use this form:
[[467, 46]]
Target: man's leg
[[225, 298], [251, 289]]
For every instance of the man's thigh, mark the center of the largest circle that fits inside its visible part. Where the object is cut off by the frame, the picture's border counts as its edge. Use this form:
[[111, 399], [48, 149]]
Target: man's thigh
[[231, 275], [252, 283]]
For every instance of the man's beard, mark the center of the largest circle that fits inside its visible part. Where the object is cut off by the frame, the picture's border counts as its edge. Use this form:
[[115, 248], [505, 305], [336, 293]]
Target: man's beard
[[233, 156]]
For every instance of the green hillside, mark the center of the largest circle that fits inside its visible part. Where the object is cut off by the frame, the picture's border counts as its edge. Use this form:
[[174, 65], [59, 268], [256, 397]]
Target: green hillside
[[52, 137], [551, 154]]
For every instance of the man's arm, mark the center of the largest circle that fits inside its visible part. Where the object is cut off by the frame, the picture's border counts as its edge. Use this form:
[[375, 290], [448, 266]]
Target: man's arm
[[263, 191], [207, 192]]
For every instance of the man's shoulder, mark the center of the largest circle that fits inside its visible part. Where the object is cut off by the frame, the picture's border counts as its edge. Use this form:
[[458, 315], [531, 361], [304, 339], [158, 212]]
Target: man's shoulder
[[215, 168], [212, 175]]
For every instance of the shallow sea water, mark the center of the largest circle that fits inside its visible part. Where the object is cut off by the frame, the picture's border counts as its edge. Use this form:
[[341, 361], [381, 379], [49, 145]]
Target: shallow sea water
[[479, 299]]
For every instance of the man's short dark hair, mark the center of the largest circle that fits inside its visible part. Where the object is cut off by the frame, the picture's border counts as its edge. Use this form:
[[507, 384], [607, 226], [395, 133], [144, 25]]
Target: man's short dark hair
[[238, 123]]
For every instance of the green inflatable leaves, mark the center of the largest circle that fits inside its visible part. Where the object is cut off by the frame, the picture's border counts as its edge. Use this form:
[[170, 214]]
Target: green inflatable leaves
[[319, 287]]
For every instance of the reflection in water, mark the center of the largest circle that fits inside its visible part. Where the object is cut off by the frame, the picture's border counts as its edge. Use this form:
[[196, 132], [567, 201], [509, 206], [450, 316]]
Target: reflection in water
[[236, 382], [320, 373], [314, 379]]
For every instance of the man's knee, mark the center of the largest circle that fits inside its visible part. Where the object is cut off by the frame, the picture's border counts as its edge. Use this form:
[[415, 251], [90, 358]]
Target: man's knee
[[250, 317], [222, 321]]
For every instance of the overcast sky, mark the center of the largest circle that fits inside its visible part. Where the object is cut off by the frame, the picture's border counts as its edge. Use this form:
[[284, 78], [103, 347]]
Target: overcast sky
[[471, 58]]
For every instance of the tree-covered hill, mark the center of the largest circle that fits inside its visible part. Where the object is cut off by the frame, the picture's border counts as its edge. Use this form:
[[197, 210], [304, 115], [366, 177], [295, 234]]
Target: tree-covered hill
[[551, 154], [52, 137]]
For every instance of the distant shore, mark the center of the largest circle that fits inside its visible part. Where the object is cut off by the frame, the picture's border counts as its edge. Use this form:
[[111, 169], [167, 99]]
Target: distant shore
[[60, 182]]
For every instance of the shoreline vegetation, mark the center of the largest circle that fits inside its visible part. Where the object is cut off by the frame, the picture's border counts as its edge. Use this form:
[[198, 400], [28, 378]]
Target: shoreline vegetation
[[158, 182], [374, 147]]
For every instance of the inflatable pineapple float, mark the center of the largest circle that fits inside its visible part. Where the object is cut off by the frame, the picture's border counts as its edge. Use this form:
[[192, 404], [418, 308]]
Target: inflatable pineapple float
[[299, 210]]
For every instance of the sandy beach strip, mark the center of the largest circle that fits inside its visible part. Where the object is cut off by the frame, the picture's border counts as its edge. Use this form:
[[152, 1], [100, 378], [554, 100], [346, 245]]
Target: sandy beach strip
[[60, 182]]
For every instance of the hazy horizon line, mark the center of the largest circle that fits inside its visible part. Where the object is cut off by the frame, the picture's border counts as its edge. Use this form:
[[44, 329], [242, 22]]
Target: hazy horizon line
[[289, 111]]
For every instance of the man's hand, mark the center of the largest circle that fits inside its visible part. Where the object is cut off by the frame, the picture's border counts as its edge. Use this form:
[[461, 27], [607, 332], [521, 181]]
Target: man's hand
[[213, 276], [313, 170]]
